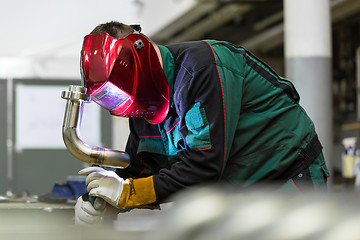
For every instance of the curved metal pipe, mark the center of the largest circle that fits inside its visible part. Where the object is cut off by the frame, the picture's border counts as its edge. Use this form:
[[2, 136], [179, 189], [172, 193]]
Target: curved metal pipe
[[76, 97]]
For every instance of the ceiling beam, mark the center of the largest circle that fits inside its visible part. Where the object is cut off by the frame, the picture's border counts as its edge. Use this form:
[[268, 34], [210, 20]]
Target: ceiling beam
[[273, 37], [215, 20], [187, 19]]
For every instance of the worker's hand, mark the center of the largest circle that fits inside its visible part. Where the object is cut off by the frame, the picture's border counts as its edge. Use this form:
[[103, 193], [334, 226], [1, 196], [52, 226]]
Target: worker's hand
[[104, 184], [86, 213]]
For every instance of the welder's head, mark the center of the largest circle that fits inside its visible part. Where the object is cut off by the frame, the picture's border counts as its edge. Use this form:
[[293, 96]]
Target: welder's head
[[124, 75]]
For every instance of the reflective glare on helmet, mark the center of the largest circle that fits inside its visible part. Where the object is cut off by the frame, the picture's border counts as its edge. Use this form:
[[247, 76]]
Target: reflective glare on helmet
[[125, 76], [110, 96]]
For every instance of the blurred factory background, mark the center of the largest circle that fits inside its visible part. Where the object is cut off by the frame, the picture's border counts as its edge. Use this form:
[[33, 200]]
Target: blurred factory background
[[314, 43], [39, 58]]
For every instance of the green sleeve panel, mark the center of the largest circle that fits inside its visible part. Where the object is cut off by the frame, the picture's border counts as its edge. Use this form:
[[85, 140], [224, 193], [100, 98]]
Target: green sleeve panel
[[198, 137], [151, 144]]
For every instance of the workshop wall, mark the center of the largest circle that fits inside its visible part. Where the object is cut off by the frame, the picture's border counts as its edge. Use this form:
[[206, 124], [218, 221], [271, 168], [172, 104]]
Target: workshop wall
[[346, 41], [34, 162], [3, 116]]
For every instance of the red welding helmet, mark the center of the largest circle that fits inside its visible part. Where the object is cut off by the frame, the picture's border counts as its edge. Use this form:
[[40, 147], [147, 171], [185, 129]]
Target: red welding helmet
[[125, 76]]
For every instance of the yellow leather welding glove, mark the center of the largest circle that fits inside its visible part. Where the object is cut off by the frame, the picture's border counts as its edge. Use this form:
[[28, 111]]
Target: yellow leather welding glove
[[137, 193], [120, 193]]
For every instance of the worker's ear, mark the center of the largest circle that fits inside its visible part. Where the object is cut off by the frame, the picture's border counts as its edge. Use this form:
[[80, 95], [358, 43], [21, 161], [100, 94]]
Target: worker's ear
[[136, 27]]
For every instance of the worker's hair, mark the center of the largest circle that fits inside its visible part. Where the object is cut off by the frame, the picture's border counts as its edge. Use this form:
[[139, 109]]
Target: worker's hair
[[114, 29]]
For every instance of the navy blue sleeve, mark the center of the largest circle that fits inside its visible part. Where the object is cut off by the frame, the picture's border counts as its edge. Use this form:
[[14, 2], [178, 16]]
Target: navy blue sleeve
[[198, 99]]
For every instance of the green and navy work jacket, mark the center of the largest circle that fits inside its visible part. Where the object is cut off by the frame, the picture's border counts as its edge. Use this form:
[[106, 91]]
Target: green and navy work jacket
[[232, 119]]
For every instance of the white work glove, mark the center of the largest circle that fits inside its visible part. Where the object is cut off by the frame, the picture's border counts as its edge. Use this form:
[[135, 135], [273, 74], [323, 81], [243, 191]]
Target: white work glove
[[86, 213], [104, 184]]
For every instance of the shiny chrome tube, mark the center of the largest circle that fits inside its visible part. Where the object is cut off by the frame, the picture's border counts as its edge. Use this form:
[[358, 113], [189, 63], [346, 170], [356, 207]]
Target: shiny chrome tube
[[76, 97]]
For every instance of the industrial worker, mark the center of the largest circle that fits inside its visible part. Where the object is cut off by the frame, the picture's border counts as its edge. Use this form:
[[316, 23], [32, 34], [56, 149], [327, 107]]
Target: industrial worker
[[201, 112]]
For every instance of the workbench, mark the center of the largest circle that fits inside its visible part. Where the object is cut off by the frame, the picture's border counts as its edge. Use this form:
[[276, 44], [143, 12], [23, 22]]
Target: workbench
[[33, 220]]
